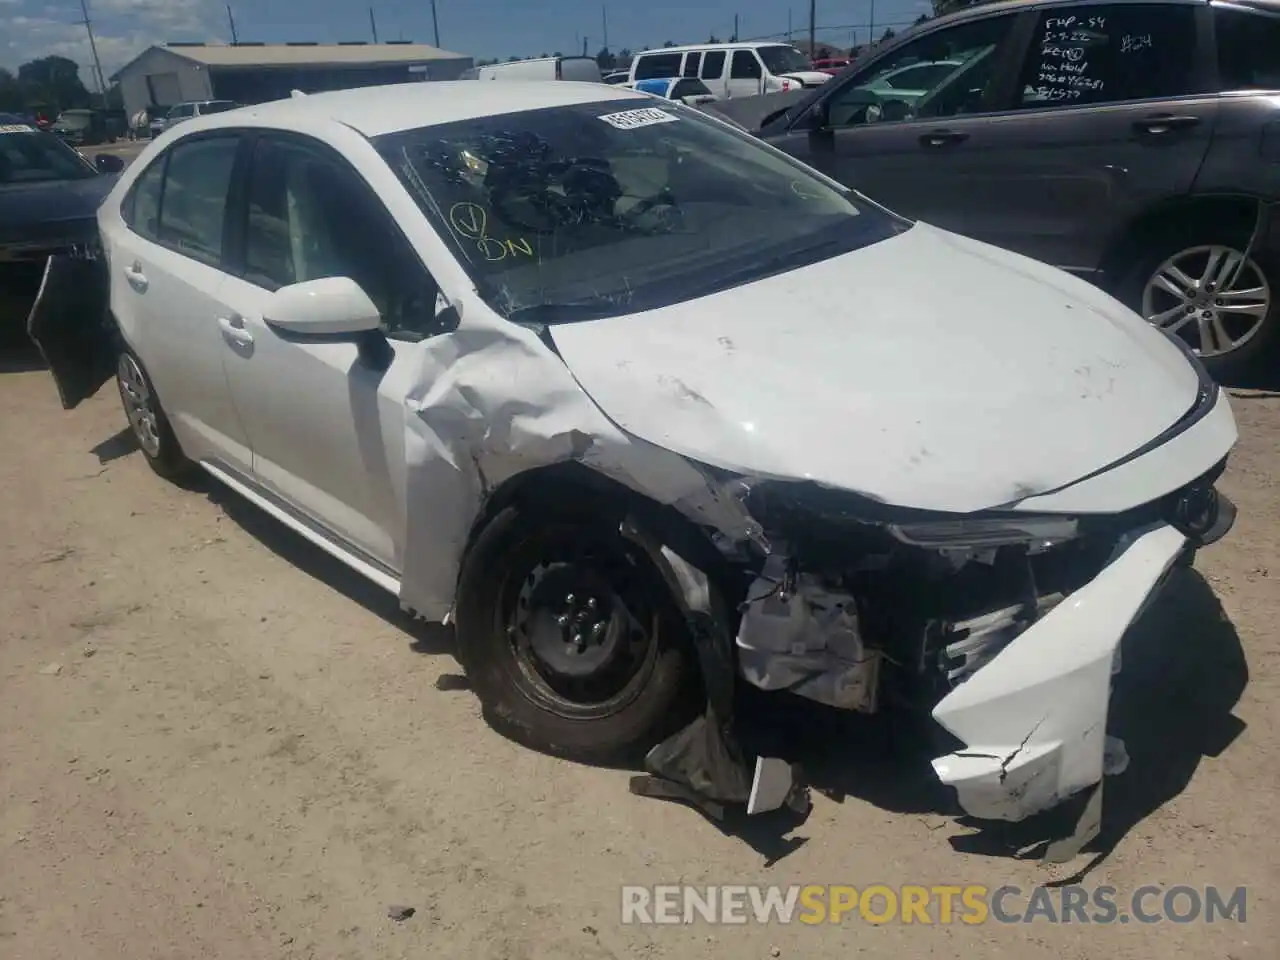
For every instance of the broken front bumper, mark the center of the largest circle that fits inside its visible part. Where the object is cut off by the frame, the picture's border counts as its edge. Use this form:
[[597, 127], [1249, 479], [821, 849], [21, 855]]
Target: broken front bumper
[[1034, 718]]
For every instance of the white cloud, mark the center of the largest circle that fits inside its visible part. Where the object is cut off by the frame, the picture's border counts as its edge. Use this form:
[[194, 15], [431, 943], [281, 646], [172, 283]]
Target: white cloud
[[122, 29]]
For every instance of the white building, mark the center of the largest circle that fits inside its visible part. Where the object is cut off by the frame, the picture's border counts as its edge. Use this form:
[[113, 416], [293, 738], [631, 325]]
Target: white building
[[159, 77]]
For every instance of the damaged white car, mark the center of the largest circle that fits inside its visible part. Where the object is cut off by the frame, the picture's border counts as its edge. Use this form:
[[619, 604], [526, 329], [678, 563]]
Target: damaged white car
[[650, 410]]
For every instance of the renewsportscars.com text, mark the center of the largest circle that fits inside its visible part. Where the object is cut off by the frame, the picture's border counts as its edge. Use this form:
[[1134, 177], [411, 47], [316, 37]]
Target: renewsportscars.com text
[[937, 904]]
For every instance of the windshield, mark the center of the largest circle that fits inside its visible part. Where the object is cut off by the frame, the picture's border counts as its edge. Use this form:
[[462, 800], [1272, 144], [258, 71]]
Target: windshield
[[621, 206], [75, 119], [217, 106], [784, 60], [29, 156]]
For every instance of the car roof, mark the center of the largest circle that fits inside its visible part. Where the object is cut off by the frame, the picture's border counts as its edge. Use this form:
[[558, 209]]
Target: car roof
[[374, 111], [739, 45]]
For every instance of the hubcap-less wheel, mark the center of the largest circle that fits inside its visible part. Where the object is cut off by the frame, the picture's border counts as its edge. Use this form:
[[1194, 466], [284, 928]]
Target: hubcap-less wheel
[[583, 628], [139, 405], [1212, 296]]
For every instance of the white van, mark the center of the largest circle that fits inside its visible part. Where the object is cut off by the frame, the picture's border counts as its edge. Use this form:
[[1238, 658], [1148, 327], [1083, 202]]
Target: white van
[[584, 69], [731, 69]]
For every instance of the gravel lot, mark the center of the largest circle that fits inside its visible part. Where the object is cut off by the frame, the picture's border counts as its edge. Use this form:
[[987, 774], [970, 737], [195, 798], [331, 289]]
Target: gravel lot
[[246, 752]]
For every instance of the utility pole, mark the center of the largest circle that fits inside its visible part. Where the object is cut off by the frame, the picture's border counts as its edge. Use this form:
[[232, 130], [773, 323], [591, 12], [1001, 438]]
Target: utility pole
[[435, 24], [813, 28], [735, 27], [871, 30], [93, 47], [373, 25], [788, 25], [584, 46], [232, 20], [604, 22]]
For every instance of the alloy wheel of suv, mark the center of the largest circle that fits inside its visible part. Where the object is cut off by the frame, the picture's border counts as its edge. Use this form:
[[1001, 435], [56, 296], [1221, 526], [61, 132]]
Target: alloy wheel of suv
[[1212, 296]]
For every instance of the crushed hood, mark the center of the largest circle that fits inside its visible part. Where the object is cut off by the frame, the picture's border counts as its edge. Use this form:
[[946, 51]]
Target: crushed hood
[[927, 370]]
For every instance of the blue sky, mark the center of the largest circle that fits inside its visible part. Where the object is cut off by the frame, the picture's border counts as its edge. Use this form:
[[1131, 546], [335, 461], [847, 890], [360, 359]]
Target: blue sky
[[480, 28]]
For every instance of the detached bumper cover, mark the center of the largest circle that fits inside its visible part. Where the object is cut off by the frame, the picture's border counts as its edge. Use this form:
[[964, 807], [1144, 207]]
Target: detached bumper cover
[[1034, 718]]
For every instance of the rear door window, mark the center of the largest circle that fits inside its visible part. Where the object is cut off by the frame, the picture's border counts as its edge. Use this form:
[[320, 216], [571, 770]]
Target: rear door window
[[194, 200], [713, 65], [1092, 54], [692, 63], [1248, 49], [657, 66], [141, 209]]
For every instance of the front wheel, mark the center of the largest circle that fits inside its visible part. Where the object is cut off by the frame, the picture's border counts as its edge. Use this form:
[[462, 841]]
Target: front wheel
[[1220, 302], [570, 637]]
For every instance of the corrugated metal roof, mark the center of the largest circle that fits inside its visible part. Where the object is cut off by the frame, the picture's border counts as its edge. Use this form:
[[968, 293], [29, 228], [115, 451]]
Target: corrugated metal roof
[[308, 54]]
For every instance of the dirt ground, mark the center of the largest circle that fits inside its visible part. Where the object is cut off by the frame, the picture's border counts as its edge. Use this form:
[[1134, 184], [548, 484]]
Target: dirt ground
[[214, 742]]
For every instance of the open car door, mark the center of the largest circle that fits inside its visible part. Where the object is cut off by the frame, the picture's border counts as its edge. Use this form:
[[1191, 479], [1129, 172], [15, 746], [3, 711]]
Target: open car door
[[71, 324]]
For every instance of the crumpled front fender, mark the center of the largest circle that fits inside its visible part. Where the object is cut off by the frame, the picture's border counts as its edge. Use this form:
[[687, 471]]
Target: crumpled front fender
[[1035, 717]]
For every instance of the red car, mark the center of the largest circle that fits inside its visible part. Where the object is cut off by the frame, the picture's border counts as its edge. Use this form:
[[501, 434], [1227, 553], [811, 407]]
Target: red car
[[831, 65]]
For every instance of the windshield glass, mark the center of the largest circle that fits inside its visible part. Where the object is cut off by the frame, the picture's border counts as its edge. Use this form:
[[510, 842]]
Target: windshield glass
[[30, 156], [75, 119], [784, 60], [621, 206]]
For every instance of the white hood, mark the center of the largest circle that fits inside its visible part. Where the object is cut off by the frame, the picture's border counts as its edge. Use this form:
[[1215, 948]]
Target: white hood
[[810, 78], [927, 370]]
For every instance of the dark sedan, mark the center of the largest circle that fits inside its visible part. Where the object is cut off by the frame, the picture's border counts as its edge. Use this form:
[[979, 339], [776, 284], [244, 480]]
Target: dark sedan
[[49, 197]]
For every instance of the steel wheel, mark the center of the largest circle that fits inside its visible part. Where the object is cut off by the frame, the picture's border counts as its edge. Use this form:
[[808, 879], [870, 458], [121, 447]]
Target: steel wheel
[[582, 626], [139, 405], [1211, 295]]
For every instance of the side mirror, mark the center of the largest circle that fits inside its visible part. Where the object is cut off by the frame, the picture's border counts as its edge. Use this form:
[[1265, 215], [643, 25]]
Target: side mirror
[[108, 163], [332, 306]]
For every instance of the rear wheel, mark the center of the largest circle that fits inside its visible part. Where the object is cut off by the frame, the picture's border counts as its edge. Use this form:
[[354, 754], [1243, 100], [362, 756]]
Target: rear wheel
[[147, 420], [1207, 292], [570, 637]]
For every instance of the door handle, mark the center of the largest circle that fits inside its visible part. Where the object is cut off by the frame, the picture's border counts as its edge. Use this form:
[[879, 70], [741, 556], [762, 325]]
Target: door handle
[[942, 138], [137, 279], [1159, 124], [233, 331]]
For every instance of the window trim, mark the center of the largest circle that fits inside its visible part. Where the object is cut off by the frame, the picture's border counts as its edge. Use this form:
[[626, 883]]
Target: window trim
[[237, 163]]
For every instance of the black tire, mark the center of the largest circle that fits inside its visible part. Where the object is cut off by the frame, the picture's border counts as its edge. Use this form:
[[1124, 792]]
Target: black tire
[[1226, 367], [500, 571], [164, 455]]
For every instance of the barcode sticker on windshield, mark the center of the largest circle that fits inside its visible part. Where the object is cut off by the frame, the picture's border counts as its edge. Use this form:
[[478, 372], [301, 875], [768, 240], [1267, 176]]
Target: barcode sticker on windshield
[[645, 117], [16, 128]]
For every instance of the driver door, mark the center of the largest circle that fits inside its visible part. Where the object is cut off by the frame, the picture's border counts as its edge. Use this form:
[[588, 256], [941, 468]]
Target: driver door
[[924, 154]]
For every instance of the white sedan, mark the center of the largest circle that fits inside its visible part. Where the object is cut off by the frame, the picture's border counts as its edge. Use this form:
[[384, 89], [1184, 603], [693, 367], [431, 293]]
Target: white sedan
[[649, 410]]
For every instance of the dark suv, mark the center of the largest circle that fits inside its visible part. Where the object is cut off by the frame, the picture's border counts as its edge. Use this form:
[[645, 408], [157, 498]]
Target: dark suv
[[1135, 142]]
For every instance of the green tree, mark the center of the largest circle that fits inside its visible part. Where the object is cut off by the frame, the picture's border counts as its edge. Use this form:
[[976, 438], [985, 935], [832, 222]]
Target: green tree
[[54, 80], [605, 59], [11, 96]]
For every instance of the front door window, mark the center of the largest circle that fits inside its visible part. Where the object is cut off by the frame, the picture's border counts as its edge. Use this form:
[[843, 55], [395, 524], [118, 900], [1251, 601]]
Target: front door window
[[944, 74]]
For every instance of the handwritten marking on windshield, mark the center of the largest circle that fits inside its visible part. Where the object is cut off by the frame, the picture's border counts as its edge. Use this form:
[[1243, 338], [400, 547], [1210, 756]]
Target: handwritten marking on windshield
[[470, 221], [16, 128]]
